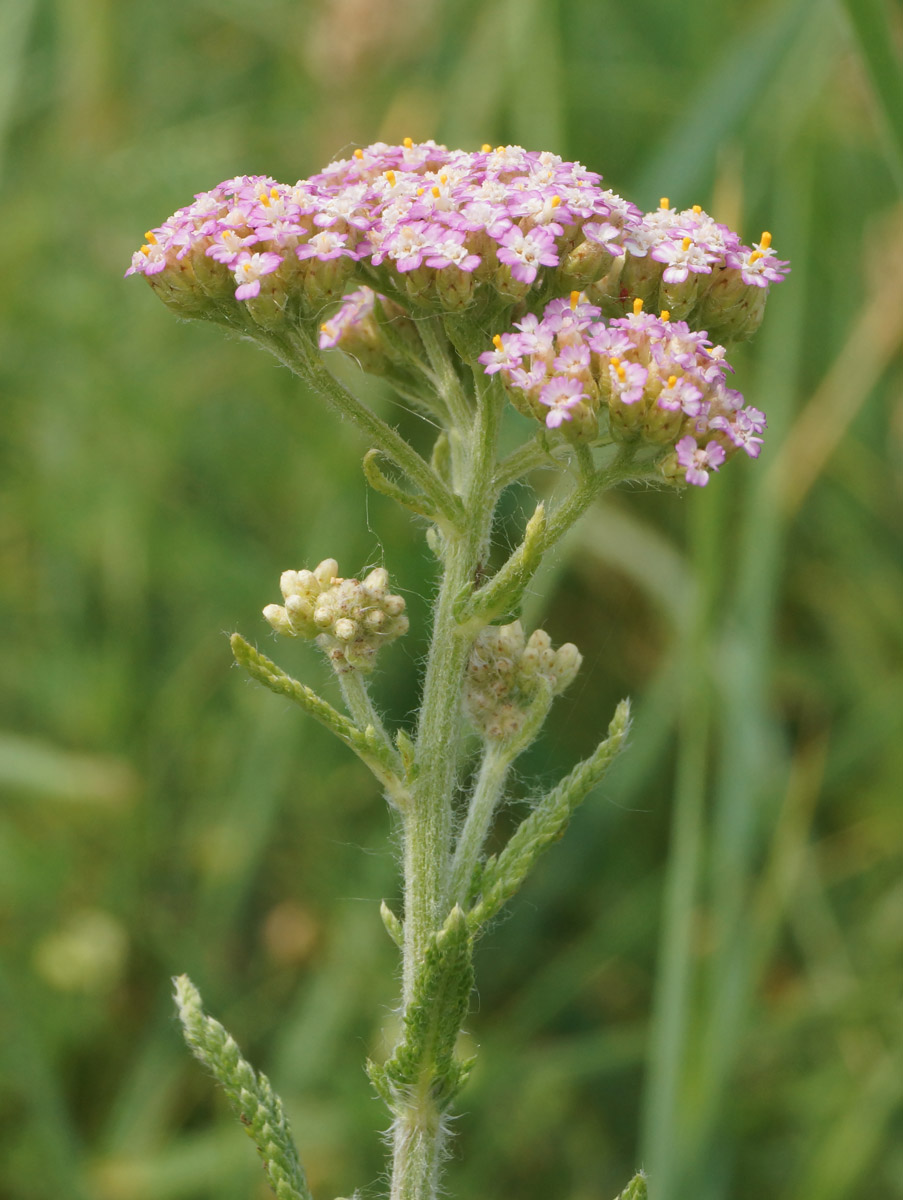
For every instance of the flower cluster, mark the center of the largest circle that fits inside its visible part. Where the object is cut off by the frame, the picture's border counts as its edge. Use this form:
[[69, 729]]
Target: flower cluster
[[503, 676], [685, 262], [350, 619], [647, 377], [432, 226]]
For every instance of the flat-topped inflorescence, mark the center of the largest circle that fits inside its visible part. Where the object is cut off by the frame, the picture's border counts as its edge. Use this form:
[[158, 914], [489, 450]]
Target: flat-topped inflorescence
[[442, 229], [349, 619], [634, 379]]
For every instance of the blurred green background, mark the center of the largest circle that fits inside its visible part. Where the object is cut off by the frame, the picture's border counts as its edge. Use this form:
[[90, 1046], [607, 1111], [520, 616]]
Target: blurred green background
[[705, 975]]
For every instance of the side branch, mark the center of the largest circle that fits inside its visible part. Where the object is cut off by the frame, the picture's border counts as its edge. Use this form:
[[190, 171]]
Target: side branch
[[380, 482], [504, 592], [367, 744], [503, 875], [535, 453], [300, 356]]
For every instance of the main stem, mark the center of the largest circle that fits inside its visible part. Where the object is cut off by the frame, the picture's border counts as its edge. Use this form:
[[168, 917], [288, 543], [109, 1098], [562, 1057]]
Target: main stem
[[418, 1131]]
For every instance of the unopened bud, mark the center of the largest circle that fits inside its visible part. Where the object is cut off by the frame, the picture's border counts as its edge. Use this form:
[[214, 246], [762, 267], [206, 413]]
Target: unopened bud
[[326, 571], [505, 673], [279, 619], [349, 619]]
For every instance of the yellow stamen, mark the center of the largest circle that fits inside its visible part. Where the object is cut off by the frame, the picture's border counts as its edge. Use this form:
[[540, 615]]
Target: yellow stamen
[[664, 315], [436, 192], [407, 143], [264, 199], [755, 256], [274, 192], [637, 306], [575, 300], [443, 179], [621, 371], [664, 202], [697, 208], [420, 191], [687, 243], [672, 379], [358, 153], [765, 240], [149, 237], [500, 149], [390, 175], [145, 250], [485, 148], [556, 200], [497, 341]]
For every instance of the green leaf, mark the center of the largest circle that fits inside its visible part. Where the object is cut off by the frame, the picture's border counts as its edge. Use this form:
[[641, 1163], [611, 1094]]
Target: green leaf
[[250, 1094], [424, 1061], [503, 876], [393, 925], [636, 1189], [366, 743]]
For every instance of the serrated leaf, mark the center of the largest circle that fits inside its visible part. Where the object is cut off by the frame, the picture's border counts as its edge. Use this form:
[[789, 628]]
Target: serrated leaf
[[250, 1093], [424, 1058]]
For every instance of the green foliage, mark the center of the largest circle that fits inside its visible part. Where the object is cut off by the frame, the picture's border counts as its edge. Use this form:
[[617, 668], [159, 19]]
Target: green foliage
[[368, 744], [503, 875], [636, 1189], [423, 1063], [251, 1095], [156, 478]]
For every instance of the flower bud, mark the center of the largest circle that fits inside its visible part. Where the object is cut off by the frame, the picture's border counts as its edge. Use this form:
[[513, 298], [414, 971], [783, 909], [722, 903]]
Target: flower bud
[[349, 619], [504, 675]]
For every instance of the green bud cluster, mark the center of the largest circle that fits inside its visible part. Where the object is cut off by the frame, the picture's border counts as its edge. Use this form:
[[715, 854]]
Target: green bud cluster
[[349, 619], [507, 675]]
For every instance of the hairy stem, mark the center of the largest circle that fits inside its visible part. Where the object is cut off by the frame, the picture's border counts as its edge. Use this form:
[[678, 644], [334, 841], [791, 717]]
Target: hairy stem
[[357, 700], [301, 357], [418, 1127], [486, 795]]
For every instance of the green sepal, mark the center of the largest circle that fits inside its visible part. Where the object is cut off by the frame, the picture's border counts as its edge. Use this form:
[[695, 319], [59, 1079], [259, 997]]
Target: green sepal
[[503, 875], [424, 1060], [636, 1189], [249, 1092]]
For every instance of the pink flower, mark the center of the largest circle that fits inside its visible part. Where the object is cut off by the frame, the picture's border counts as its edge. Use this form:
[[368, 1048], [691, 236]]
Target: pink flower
[[525, 253], [507, 353], [325, 246], [560, 395], [248, 270], [628, 380], [697, 461]]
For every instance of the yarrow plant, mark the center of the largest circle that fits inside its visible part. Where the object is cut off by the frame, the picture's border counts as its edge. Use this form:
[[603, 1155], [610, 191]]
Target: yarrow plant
[[466, 280]]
